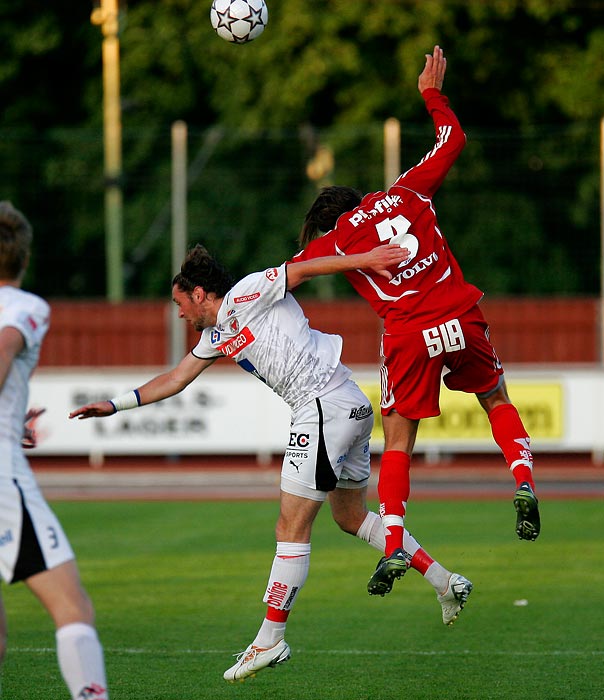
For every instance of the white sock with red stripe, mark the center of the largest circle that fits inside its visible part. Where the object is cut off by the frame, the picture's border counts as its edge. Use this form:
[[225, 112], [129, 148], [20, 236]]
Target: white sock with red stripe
[[288, 575]]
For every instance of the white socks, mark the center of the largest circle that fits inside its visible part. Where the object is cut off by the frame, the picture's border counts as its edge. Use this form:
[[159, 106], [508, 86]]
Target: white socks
[[372, 531], [269, 634], [80, 657], [438, 577], [288, 575]]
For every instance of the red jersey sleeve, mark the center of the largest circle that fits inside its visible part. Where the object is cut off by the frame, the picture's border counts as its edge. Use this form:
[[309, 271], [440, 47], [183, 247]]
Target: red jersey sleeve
[[427, 176]]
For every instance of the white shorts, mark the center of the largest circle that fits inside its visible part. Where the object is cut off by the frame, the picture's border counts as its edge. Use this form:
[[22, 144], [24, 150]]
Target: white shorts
[[31, 537], [328, 444]]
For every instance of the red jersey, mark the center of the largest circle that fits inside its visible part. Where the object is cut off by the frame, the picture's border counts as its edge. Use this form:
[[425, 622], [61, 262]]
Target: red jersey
[[430, 284]]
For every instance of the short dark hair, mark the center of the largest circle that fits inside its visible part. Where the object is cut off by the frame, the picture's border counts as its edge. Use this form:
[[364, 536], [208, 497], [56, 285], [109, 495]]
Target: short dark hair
[[15, 241], [200, 269], [329, 205]]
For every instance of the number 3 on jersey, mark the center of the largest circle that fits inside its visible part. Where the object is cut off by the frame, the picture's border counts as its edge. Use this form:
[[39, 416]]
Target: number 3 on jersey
[[392, 230], [395, 232], [447, 337]]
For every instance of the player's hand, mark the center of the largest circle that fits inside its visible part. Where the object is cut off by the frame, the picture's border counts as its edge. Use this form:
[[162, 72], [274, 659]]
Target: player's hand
[[384, 256], [94, 410], [29, 439], [434, 71]]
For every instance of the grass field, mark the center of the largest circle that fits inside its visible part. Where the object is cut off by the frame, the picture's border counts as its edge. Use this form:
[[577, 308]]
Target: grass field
[[178, 588]]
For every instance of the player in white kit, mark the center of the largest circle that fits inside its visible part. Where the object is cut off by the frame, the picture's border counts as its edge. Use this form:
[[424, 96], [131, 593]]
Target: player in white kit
[[33, 546], [259, 325]]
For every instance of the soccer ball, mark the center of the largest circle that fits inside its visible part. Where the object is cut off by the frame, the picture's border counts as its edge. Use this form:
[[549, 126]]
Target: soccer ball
[[239, 21]]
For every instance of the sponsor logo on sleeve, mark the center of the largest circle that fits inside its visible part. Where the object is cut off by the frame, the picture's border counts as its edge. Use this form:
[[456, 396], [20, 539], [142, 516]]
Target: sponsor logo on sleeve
[[272, 274], [215, 337], [235, 345], [247, 297]]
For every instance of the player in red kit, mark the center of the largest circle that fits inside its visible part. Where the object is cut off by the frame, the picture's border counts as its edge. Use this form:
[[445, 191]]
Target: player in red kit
[[432, 322]]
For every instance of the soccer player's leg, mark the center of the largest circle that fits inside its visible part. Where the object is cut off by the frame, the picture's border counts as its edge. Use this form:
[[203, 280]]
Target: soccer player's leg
[[393, 492], [410, 385], [79, 651], [451, 596], [269, 648], [48, 568], [287, 577], [509, 433], [476, 369]]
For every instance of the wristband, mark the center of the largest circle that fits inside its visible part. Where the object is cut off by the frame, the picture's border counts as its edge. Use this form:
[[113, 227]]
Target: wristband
[[132, 399]]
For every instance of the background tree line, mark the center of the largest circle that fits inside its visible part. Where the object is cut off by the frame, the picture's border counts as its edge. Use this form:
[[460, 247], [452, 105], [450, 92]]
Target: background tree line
[[526, 78]]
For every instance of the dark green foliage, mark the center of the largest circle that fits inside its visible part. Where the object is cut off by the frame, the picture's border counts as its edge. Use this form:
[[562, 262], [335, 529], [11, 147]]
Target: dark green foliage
[[525, 77]]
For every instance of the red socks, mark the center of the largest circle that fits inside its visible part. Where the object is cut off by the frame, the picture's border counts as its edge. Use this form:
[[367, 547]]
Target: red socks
[[393, 491], [514, 442], [421, 561]]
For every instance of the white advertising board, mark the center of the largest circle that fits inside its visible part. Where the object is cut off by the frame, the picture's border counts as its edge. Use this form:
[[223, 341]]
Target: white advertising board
[[231, 412]]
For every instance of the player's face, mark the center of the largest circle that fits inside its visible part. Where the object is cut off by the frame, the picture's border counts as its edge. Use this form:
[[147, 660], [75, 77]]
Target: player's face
[[193, 307]]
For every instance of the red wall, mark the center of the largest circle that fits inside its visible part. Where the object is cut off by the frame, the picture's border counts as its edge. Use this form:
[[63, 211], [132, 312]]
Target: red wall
[[135, 333]]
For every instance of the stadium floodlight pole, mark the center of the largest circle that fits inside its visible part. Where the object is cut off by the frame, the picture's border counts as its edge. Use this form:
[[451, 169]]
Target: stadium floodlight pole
[[392, 151], [106, 15], [178, 329]]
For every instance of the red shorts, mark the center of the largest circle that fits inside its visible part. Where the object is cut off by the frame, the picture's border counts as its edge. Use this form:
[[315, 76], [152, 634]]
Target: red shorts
[[413, 363]]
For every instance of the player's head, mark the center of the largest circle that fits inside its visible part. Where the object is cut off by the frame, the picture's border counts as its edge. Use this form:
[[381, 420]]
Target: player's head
[[15, 242], [329, 205], [200, 269]]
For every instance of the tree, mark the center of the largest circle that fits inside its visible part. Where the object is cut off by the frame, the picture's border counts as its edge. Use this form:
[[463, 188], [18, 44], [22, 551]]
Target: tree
[[526, 78]]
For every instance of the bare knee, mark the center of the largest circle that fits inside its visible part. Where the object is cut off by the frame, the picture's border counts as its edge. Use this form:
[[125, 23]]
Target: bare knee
[[348, 509], [77, 608], [494, 399]]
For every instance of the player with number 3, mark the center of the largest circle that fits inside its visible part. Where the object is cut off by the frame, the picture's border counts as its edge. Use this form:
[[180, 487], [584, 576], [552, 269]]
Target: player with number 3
[[432, 322]]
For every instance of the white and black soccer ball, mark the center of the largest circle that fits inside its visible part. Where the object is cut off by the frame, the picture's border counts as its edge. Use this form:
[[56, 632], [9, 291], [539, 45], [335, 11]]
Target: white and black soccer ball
[[239, 21]]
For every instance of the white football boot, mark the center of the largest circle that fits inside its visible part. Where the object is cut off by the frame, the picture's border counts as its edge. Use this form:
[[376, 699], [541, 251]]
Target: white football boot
[[254, 659], [454, 598]]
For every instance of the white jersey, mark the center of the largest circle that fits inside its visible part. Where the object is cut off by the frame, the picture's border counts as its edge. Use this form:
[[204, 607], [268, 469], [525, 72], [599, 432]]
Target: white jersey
[[29, 314], [263, 328]]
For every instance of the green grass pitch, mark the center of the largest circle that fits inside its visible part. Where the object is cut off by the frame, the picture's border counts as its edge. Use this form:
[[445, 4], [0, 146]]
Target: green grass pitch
[[178, 589]]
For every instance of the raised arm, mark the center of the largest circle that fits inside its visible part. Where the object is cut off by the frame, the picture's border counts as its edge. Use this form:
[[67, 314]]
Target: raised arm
[[427, 176], [379, 260], [160, 387]]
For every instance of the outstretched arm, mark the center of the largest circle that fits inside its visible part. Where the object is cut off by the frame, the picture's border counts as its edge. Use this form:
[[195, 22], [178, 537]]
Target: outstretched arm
[[379, 260], [160, 387], [427, 176]]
